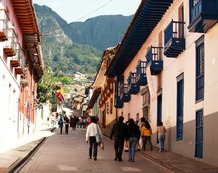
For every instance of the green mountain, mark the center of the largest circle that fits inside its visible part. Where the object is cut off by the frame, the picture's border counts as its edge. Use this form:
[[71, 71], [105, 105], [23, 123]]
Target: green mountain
[[78, 46], [100, 32]]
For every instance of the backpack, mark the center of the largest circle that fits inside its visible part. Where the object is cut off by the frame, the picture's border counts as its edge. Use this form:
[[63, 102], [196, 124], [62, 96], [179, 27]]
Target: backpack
[[60, 122]]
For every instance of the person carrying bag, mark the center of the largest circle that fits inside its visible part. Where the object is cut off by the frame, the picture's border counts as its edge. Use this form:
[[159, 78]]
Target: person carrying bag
[[99, 137], [93, 134]]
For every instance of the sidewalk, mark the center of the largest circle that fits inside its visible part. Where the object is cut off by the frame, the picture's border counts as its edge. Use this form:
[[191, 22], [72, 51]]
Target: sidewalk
[[172, 161], [14, 158]]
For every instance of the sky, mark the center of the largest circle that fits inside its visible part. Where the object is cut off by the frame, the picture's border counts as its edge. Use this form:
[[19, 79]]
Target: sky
[[80, 10]]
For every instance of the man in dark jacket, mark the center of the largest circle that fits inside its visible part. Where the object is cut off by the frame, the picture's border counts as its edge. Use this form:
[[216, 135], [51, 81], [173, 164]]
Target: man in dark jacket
[[119, 131]]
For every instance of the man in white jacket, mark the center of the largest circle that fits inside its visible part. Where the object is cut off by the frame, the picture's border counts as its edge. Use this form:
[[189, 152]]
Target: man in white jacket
[[92, 130]]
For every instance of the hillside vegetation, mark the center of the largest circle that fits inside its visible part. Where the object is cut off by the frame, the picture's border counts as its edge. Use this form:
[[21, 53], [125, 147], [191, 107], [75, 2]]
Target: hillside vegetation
[[78, 46]]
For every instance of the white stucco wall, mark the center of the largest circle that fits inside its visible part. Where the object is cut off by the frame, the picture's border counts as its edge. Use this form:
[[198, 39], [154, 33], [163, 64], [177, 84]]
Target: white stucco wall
[[8, 105], [184, 64]]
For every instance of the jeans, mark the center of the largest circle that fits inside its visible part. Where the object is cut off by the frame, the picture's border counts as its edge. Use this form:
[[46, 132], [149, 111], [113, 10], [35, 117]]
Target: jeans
[[93, 143], [161, 139], [132, 147], [145, 140]]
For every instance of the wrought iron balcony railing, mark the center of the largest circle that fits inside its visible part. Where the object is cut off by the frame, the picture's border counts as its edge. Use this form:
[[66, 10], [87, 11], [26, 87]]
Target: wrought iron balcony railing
[[141, 78], [203, 15], [154, 59], [10, 45], [133, 88], [124, 95], [174, 41], [4, 25]]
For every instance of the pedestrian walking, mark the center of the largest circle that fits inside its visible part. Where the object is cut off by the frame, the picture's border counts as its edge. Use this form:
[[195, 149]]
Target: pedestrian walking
[[146, 133], [61, 123], [161, 130], [126, 144], [92, 130], [118, 132], [133, 136], [74, 121], [140, 123], [66, 123]]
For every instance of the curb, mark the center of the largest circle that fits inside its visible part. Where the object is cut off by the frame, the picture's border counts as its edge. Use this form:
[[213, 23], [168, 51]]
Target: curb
[[19, 162], [166, 165], [23, 159]]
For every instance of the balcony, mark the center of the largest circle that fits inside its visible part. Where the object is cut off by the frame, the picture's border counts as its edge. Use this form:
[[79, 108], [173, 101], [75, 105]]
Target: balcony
[[4, 25], [174, 41], [118, 103], [154, 58], [16, 60], [18, 70], [11, 44], [109, 87], [24, 83], [124, 95], [203, 15], [100, 103], [23, 60], [141, 78], [104, 95], [133, 88]]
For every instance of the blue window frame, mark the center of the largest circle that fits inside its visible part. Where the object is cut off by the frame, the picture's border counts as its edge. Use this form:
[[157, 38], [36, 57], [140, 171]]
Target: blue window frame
[[199, 134], [180, 103], [159, 108], [195, 8], [200, 69]]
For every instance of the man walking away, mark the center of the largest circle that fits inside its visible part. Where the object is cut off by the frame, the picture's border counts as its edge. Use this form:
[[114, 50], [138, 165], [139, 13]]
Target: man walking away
[[67, 121], [60, 123], [119, 131]]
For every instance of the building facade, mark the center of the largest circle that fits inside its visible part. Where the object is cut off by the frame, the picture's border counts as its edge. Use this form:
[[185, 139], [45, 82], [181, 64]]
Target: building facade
[[21, 66], [165, 70], [101, 101]]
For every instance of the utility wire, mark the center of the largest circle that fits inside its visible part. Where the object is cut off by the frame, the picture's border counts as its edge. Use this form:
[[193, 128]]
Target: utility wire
[[95, 10], [102, 6]]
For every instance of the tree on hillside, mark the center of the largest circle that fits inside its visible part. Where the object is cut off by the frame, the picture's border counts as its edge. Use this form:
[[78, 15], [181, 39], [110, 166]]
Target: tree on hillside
[[45, 87]]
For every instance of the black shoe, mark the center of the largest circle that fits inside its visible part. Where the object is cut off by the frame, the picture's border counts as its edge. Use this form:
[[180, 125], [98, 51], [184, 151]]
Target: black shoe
[[115, 159], [120, 160], [95, 159], [130, 159]]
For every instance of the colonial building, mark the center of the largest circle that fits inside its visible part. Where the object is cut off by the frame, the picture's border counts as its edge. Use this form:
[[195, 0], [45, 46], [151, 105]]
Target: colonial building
[[165, 70], [21, 66], [101, 91]]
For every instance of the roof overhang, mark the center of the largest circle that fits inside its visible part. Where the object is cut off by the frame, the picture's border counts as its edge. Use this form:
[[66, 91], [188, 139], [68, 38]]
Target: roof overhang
[[107, 57], [146, 18], [27, 20], [94, 97]]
